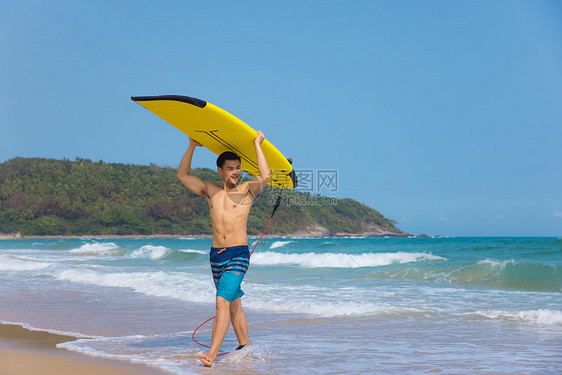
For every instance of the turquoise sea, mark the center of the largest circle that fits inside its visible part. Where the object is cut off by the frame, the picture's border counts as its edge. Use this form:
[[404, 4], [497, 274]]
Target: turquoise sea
[[315, 306]]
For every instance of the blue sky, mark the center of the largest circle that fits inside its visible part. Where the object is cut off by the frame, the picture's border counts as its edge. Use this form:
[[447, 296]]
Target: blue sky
[[463, 140]]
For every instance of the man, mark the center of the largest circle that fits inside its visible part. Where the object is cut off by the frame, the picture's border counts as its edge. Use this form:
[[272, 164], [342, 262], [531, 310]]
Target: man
[[229, 206]]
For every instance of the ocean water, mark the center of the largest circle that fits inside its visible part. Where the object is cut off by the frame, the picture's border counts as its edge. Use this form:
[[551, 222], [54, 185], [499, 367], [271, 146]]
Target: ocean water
[[314, 306]]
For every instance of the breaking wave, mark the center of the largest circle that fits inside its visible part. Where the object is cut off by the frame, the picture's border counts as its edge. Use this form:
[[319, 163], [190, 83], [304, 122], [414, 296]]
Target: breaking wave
[[335, 260]]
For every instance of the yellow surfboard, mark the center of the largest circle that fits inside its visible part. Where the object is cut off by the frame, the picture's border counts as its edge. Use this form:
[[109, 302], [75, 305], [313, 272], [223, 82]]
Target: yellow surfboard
[[219, 131]]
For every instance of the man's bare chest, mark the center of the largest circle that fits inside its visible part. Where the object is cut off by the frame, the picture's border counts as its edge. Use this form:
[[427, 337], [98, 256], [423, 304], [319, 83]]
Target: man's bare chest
[[231, 204]]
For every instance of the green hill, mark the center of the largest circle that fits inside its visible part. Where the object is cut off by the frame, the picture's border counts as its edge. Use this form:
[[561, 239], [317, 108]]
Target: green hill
[[40, 197]]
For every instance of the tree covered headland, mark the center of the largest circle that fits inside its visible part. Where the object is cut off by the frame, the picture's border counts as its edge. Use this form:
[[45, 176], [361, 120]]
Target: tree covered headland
[[81, 197]]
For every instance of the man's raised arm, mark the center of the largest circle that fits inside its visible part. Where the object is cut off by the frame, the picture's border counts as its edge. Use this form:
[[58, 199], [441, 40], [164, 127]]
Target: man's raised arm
[[193, 183], [257, 184]]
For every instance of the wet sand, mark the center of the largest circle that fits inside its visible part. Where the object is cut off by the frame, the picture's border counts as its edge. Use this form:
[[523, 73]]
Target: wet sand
[[25, 352]]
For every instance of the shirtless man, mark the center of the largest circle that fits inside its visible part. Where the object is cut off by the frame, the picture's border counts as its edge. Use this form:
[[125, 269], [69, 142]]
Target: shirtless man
[[229, 206]]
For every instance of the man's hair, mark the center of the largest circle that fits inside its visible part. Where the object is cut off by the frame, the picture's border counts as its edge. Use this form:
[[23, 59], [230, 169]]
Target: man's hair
[[227, 155]]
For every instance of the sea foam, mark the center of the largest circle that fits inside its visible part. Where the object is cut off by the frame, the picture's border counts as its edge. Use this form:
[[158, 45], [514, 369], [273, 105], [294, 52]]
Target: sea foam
[[327, 309], [278, 244], [159, 284], [53, 331], [170, 352], [94, 249], [13, 263], [152, 252], [541, 316], [162, 252], [334, 260]]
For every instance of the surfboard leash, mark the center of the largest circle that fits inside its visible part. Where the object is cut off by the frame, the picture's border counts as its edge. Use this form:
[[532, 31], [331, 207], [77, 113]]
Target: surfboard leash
[[275, 207]]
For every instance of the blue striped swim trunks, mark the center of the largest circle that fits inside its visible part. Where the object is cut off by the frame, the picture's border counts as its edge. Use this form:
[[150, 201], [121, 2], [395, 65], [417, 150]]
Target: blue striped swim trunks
[[229, 265]]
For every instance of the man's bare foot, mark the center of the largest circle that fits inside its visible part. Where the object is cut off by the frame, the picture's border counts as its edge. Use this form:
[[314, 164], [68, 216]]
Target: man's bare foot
[[207, 361]]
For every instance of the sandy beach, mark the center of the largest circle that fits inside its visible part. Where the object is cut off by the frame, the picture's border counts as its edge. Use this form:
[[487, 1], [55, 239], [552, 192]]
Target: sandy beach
[[25, 352]]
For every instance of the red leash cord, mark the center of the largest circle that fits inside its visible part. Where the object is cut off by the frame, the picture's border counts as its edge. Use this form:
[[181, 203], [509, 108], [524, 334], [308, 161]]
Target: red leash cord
[[256, 245]]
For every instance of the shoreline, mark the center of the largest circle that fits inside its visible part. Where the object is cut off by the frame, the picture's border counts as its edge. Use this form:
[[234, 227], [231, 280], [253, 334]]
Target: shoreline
[[30, 352], [17, 236]]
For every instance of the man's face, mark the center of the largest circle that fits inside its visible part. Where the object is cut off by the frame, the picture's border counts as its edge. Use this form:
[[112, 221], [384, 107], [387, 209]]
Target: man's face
[[230, 172]]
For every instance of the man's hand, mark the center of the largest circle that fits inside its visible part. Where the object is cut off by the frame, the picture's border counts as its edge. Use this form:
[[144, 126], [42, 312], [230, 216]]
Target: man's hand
[[193, 183], [256, 185], [194, 142], [259, 138]]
